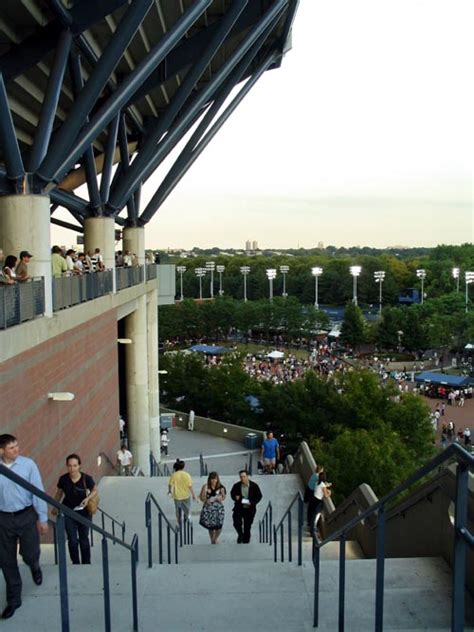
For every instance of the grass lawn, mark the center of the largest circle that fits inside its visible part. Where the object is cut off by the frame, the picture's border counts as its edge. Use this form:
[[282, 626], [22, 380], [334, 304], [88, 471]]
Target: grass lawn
[[253, 348]]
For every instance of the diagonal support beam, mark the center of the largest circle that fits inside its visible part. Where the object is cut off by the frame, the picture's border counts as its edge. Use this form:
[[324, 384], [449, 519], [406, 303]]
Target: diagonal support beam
[[270, 17], [124, 164], [60, 222], [78, 207], [166, 119], [54, 167], [109, 159], [8, 139], [50, 103], [181, 167], [63, 141]]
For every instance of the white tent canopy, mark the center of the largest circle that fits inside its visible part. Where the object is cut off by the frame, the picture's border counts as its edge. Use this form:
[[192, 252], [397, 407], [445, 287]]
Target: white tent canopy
[[276, 355]]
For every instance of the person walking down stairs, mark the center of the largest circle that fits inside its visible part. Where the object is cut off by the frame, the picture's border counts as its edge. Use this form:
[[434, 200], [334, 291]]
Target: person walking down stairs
[[246, 495], [212, 514], [180, 487]]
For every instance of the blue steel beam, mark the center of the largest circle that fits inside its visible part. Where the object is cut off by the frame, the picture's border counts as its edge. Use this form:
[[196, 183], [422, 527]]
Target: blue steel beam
[[109, 159], [60, 222], [60, 11], [133, 177], [74, 204], [178, 171], [23, 56], [55, 166], [124, 164], [165, 120], [8, 139], [64, 139], [88, 157], [50, 103]]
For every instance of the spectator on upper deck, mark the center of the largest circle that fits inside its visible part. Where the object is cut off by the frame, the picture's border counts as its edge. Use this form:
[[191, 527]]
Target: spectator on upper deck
[[9, 268], [22, 266], [58, 262], [6, 280]]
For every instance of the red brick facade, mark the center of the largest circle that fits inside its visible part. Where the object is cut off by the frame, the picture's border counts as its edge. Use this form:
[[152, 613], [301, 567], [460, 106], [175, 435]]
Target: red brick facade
[[83, 361]]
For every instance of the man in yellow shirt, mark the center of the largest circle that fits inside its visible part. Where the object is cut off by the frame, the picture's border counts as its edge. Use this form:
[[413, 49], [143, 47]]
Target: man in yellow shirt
[[180, 486]]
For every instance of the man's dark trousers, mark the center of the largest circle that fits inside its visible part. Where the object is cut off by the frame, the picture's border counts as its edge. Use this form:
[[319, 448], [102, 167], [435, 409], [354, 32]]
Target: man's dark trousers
[[13, 529], [242, 520]]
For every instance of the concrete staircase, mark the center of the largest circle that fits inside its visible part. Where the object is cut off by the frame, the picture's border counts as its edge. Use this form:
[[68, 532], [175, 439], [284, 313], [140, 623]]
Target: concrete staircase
[[229, 586]]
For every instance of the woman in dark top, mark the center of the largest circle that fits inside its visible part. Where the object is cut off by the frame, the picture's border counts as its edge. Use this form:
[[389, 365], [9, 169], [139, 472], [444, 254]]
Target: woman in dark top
[[76, 489], [212, 515]]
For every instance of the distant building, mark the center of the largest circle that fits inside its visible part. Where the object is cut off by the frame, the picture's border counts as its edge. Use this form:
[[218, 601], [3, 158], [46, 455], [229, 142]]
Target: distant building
[[248, 245], [320, 245], [254, 245]]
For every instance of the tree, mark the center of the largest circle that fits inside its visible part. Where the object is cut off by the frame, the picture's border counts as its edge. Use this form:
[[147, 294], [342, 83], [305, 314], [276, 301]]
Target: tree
[[353, 326]]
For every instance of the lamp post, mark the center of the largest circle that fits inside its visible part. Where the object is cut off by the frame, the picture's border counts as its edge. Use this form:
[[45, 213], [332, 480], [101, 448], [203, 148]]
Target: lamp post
[[284, 270], [316, 272], [271, 275], [379, 277], [469, 278], [421, 274], [211, 266], [200, 272], [355, 271], [220, 270], [456, 276], [181, 270], [244, 271]]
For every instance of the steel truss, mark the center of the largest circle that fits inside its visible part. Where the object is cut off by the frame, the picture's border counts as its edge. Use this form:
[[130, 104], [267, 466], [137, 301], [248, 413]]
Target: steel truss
[[103, 126]]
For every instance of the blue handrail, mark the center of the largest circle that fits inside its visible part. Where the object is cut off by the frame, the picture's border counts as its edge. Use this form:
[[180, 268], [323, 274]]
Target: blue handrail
[[279, 532], [113, 521], [462, 539], [183, 533], [265, 526], [203, 466], [60, 533]]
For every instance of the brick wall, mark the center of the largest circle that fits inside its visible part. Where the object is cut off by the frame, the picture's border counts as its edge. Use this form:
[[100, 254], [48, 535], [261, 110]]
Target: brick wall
[[84, 362]]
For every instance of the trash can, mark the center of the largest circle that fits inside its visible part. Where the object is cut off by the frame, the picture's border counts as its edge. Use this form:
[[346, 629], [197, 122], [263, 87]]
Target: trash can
[[251, 441]]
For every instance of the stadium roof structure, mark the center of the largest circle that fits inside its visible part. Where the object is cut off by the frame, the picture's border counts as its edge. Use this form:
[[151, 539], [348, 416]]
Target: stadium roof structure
[[86, 85]]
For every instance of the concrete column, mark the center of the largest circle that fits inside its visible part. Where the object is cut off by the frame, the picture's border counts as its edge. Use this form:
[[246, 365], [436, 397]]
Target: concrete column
[[137, 385], [153, 379], [134, 240], [99, 232], [25, 225]]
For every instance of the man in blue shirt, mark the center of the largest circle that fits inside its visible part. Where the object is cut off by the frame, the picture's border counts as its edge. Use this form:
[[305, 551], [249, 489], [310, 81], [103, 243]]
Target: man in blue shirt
[[270, 453], [23, 517]]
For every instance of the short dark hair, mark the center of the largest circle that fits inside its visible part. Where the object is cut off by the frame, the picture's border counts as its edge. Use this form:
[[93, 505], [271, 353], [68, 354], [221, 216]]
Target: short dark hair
[[179, 465], [6, 439], [243, 472], [74, 456]]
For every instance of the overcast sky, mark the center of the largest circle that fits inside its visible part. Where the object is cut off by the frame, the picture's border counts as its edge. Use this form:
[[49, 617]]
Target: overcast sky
[[363, 136]]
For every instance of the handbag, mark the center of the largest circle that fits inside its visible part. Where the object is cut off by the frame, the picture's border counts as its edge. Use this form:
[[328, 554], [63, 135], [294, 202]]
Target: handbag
[[93, 504]]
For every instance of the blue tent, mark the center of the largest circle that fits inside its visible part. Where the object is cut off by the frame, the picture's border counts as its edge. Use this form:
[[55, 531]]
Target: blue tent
[[442, 379], [210, 349]]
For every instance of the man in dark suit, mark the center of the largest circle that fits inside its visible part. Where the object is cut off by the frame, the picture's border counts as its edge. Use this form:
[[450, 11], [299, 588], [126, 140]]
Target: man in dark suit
[[246, 495]]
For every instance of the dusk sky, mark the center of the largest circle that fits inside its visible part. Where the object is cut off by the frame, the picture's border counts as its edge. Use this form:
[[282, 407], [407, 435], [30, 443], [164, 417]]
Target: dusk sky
[[363, 136]]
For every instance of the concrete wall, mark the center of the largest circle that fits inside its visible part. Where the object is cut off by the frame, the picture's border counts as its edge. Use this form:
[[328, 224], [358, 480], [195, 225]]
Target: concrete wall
[[216, 428], [82, 361], [166, 284]]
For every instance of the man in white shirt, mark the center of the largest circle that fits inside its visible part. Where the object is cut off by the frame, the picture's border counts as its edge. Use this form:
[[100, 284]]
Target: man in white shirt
[[124, 460]]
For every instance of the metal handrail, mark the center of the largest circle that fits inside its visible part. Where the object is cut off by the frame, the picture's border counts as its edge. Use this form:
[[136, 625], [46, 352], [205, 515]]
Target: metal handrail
[[265, 525], [462, 538], [110, 462], [114, 521], [60, 538], [279, 531], [202, 466], [155, 469], [183, 533]]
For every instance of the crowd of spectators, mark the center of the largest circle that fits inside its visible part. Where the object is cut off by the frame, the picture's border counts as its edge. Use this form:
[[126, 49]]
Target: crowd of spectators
[[14, 269]]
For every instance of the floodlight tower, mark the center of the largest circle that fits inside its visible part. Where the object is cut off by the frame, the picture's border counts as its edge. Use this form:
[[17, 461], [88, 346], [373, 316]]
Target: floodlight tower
[[316, 272], [284, 270], [244, 271], [200, 273], [469, 278], [271, 275], [355, 271], [211, 266], [456, 276], [181, 270], [421, 274], [220, 270], [379, 277]]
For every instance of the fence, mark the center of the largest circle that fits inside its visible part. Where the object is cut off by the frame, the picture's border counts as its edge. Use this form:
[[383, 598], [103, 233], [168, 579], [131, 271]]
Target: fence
[[21, 302], [72, 290], [126, 277]]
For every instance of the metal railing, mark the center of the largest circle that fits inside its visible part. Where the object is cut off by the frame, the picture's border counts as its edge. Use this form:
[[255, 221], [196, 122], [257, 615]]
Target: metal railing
[[462, 539], [183, 533], [156, 469], [151, 271], [203, 469], [265, 526], [110, 463], [279, 532], [104, 516], [78, 288], [21, 302], [64, 512], [126, 277], [249, 464]]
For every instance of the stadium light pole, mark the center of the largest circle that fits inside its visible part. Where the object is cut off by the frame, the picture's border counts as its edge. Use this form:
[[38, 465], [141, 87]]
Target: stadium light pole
[[181, 270], [355, 271], [469, 278], [220, 270], [316, 272], [421, 274], [211, 266], [244, 271], [284, 270], [271, 275], [200, 273], [456, 276], [379, 277]]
